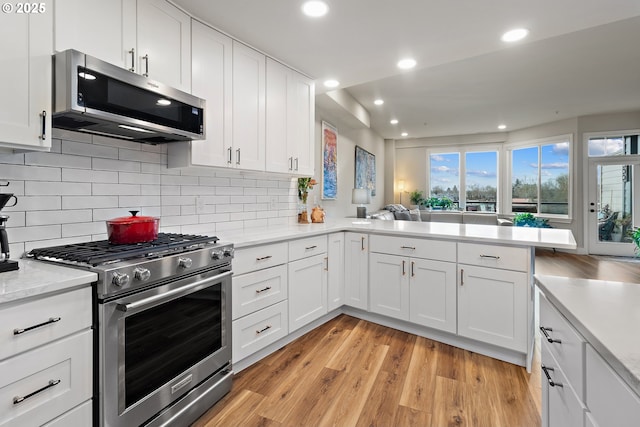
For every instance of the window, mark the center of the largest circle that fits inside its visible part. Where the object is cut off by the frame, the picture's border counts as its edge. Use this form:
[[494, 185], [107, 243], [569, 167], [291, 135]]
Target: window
[[540, 177], [621, 145], [481, 181], [445, 176]]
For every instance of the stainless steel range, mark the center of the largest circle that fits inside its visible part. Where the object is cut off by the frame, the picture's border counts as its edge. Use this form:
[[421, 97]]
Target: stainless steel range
[[163, 317]]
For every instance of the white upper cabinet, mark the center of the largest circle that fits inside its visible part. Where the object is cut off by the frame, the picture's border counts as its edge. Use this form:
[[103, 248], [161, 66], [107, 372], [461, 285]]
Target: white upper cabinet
[[104, 29], [248, 111], [164, 43], [290, 120], [25, 83], [149, 37]]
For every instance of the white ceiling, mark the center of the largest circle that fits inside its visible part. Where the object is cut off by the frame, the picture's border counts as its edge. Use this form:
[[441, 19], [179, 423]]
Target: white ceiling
[[581, 57]]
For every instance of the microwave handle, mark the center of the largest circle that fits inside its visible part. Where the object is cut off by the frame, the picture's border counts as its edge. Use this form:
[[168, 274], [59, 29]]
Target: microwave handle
[[157, 299]]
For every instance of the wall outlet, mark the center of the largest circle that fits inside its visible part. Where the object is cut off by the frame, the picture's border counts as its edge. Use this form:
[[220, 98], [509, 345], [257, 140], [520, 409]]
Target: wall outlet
[[199, 205], [273, 203]]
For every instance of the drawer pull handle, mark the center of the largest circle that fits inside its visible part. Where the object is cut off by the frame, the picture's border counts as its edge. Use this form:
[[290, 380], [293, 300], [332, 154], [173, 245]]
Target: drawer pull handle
[[549, 380], [490, 256], [19, 399], [413, 248], [545, 332], [266, 328], [262, 258], [310, 247], [362, 242], [39, 325], [259, 291]]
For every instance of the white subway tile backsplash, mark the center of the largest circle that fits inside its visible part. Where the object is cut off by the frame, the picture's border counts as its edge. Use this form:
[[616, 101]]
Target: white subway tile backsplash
[[66, 195], [32, 173], [57, 217]]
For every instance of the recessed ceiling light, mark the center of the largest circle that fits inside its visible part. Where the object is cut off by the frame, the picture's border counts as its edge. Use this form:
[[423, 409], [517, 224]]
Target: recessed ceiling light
[[393, 121], [515, 35], [406, 63], [331, 83], [378, 102], [315, 8], [501, 127], [404, 134]]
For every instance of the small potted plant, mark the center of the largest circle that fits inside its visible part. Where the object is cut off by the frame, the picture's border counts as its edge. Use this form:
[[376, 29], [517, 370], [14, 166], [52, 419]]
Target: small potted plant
[[526, 219], [416, 197]]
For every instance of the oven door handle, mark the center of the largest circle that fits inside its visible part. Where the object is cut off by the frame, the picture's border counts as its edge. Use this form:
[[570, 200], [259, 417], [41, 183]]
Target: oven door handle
[[154, 300]]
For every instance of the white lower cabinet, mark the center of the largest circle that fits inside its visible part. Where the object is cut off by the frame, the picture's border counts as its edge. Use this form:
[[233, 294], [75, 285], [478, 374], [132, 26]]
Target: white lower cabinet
[[356, 270], [493, 306], [80, 416], [335, 274], [257, 330], [417, 290], [307, 290]]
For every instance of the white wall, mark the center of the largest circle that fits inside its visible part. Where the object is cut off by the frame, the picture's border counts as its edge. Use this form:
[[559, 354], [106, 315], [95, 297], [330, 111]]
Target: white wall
[[64, 196], [348, 138]]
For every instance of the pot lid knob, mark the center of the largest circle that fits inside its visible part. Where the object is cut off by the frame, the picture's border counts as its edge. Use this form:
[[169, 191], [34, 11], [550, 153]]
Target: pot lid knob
[[134, 213]]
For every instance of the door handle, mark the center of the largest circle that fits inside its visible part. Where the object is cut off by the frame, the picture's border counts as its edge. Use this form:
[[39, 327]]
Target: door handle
[[462, 277], [413, 266], [362, 242], [403, 271], [229, 152], [43, 136], [238, 156], [146, 65]]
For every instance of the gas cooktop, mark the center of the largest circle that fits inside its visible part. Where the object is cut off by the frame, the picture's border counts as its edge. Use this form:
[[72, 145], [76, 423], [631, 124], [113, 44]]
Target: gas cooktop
[[102, 252]]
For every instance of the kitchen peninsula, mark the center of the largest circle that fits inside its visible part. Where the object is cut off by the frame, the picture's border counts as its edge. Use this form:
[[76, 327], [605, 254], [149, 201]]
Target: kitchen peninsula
[[467, 285]]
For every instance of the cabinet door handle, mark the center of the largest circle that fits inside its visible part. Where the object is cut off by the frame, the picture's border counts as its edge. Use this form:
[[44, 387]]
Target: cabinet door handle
[[133, 59], [43, 136], [229, 152], [146, 65], [362, 242], [462, 277], [326, 260], [259, 291], [413, 267], [262, 258], [19, 399], [403, 268], [238, 156], [545, 331], [490, 256], [413, 248], [39, 325], [290, 163], [310, 247], [266, 328], [552, 383], [296, 163]]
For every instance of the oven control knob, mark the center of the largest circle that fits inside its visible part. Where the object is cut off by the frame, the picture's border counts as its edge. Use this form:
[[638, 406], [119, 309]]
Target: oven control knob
[[120, 279], [142, 274], [185, 262], [217, 254], [228, 252]]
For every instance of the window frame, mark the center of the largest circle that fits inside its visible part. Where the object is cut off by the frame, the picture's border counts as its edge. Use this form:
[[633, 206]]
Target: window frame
[[462, 150], [508, 176]]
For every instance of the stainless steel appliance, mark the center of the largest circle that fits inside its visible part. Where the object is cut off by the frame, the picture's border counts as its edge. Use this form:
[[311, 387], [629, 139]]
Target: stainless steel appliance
[[5, 263], [93, 96], [163, 312]]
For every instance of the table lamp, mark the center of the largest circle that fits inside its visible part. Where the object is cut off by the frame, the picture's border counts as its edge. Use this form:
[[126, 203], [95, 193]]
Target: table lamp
[[361, 196]]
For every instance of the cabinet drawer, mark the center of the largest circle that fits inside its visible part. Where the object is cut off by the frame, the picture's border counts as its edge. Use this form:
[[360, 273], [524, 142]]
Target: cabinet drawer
[[259, 257], [257, 290], [257, 330], [569, 352], [505, 257], [73, 309], [610, 400], [563, 406], [77, 417], [68, 361], [438, 250], [305, 248]]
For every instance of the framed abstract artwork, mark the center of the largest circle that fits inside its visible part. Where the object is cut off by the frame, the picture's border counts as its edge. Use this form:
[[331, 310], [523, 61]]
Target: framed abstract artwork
[[329, 162], [365, 170]]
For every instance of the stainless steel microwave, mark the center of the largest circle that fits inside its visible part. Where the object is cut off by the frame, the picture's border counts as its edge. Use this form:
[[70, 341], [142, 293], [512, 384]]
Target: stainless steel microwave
[[96, 97]]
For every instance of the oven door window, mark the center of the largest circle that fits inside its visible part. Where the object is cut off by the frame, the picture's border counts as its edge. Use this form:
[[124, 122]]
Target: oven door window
[[164, 341]]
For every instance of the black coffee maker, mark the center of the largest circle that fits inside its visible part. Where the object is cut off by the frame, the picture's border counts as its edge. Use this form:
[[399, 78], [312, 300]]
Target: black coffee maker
[[6, 264]]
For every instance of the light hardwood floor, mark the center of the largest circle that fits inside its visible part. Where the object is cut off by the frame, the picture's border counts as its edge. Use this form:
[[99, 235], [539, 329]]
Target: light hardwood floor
[[349, 372]]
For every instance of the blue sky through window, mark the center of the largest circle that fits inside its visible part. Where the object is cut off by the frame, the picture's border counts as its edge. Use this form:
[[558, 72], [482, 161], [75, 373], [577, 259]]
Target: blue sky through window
[[481, 169]]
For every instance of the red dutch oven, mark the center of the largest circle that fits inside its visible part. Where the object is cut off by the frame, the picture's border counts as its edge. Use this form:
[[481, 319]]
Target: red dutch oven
[[132, 229]]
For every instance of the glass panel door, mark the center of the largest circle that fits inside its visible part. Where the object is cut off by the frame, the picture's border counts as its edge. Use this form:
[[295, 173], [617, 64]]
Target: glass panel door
[[612, 207]]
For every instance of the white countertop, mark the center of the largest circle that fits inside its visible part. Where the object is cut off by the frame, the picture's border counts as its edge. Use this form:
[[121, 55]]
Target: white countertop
[[522, 236], [606, 313], [38, 278]]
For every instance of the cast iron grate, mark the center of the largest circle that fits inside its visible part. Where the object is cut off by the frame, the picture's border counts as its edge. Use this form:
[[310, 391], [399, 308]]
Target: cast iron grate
[[101, 251]]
